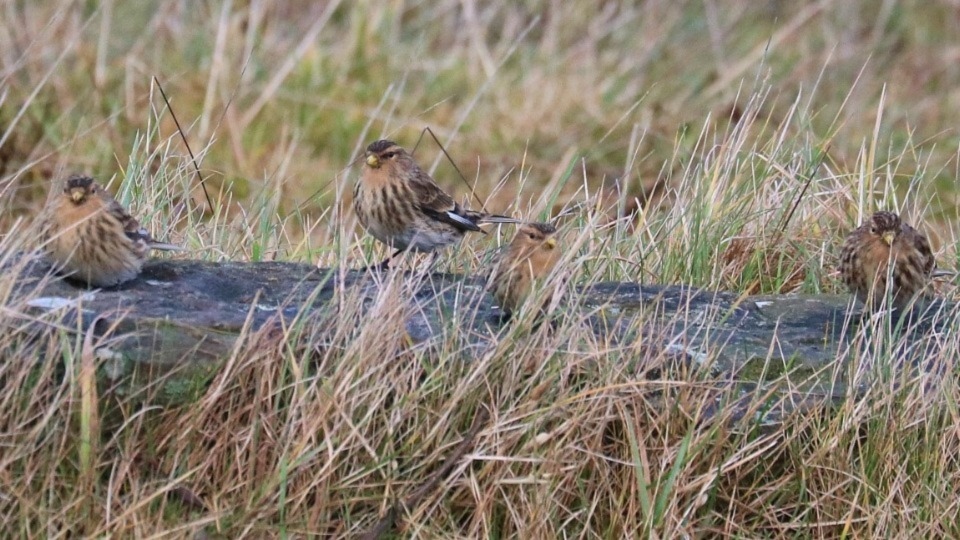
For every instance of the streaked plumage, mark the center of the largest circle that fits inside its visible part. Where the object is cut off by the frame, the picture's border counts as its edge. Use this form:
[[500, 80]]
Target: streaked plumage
[[399, 204], [886, 255], [90, 237], [530, 257]]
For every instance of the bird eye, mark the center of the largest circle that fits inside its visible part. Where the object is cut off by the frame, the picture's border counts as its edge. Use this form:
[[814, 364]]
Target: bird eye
[[388, 155]]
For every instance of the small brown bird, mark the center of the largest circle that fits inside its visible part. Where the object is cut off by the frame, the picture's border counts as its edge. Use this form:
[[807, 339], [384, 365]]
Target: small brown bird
[[886, 255], [400, 205], [530, 257], [90, 237]]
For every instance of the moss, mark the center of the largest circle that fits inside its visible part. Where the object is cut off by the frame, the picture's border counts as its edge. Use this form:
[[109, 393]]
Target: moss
[[167, 362]]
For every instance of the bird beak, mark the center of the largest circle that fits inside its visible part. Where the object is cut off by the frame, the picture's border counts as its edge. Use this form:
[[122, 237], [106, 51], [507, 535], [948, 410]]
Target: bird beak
[[373, 161], [77, 195], [551, 243], [888, 237]]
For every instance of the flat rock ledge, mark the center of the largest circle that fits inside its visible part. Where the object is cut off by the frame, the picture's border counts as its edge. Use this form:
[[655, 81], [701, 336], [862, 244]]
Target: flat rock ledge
[[179, 321]]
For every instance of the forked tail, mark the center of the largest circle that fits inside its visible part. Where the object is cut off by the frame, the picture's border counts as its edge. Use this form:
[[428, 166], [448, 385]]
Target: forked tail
[[496, 218], [161, 246]]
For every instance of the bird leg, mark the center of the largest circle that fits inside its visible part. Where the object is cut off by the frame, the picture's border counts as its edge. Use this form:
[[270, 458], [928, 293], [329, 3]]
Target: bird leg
[[384, 264], [432, 261]]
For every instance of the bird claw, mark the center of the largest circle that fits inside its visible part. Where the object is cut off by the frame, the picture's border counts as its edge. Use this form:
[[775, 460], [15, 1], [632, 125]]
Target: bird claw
[[379, 267]]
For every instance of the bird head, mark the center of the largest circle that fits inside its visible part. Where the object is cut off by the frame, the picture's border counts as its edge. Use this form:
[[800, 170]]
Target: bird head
[[78, 187], [381, 152], [537, 235], [886, 225]]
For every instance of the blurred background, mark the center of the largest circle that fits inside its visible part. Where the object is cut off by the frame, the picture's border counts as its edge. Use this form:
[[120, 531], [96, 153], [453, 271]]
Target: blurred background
[[609, 103]]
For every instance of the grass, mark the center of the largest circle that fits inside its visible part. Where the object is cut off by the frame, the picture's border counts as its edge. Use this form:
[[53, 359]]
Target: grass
[[723, 146]]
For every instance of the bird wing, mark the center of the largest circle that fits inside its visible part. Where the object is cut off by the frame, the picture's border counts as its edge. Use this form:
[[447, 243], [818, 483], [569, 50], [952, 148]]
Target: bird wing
[[132, 228], [923, 246], [849, 255], [130, 224], [439, 206]]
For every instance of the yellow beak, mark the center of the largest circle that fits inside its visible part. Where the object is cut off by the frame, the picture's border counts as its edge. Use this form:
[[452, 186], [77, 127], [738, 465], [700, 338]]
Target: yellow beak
[[373, 161], [551, 243], [77, 195], [888, 237]]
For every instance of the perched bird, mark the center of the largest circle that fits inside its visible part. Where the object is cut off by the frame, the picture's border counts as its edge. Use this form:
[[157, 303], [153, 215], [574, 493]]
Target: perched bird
[[400, 205], [90, 237], [530, 257], [886, 255]]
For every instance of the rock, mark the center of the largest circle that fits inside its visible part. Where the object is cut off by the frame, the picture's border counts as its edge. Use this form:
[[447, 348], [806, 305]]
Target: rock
[[175, 324]]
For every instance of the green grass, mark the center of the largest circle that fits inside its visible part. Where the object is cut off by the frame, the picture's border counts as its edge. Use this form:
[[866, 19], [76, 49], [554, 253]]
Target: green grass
[[729, 146]]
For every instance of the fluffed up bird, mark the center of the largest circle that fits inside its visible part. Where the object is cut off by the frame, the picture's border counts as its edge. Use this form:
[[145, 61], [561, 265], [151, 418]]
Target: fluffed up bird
[[529, 258], [887, 256], [399, 204], [90, 237]]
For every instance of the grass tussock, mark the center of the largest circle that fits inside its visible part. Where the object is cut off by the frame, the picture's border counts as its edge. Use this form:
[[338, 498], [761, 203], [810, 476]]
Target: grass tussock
[[674, 142], [303, 434]]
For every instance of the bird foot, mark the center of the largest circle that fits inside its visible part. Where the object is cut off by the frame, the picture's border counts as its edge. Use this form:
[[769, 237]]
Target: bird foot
[[379, 267]]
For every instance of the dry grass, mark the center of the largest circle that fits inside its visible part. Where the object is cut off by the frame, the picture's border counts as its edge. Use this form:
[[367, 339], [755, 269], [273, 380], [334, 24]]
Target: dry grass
[[727, 146]]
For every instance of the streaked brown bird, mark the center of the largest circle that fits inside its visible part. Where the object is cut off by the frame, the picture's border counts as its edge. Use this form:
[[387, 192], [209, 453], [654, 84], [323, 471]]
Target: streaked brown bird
[[402, 206], [886, 256], [529, 258], [90, 237]]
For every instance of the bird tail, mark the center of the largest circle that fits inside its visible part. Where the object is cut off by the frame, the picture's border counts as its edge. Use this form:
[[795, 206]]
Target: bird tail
[[496, 218], [940, 272], [161, 246]]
